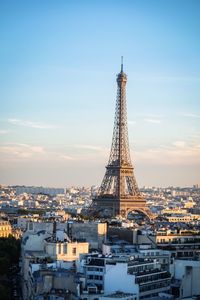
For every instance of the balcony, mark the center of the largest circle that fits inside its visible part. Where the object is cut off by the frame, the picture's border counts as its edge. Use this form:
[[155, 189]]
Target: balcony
[[155, 290], [149, 278], [180, 242]]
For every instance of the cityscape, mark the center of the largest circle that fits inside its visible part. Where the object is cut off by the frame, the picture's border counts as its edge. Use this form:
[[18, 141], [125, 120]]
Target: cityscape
[[90, 210]]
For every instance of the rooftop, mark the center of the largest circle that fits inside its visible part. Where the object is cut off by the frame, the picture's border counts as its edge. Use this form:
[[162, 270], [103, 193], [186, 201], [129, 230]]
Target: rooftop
[[119, 294], [131, 261]]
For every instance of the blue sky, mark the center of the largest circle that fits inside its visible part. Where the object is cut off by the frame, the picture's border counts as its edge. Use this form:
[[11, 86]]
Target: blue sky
[[58, 66]]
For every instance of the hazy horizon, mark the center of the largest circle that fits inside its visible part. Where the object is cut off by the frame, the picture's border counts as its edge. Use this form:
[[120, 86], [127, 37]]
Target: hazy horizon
[[59, 62]]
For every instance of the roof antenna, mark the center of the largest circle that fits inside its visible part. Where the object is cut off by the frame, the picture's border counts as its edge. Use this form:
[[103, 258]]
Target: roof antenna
[[121, 64]]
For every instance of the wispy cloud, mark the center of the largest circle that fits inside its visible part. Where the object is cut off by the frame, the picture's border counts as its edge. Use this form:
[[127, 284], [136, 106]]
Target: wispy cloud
[[84, 153], [131, 122], [179, 144], [2, 131], [18, 152], [89, 147], [177, 153], [31, 124], [12, 151], [153, 121], [190, 115], [67, 157]]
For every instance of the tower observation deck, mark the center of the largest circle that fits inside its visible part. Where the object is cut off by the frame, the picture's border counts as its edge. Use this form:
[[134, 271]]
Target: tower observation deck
[[119, 193]]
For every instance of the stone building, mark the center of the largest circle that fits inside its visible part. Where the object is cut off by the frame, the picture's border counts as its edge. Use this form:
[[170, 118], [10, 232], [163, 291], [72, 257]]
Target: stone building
[[5, 228]]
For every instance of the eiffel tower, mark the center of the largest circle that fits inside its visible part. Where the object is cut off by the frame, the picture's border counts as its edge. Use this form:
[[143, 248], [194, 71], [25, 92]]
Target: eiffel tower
[[119, 193]]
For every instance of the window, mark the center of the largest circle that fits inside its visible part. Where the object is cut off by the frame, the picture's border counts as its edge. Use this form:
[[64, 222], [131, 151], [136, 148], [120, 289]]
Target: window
[[30, 226], [74, 251], [65, 249]]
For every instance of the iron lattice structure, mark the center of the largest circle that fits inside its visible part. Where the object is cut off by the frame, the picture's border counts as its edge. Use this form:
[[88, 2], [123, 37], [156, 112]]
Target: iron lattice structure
[[119, 192]]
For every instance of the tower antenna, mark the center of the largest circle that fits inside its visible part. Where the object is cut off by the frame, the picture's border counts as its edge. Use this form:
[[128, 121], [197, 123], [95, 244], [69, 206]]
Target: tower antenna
[[122, 63]]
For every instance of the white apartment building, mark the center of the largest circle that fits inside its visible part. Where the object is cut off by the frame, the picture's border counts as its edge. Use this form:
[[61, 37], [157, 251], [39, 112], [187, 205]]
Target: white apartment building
[[107, 275], [43, 242], [186, 275]]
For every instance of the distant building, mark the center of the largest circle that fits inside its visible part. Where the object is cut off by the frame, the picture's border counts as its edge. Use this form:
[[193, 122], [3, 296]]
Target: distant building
[[50, 281], [5, 228], [174, 211], [182, 218], [64, 250], [182, 244], [93, 232], [38, 190]]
